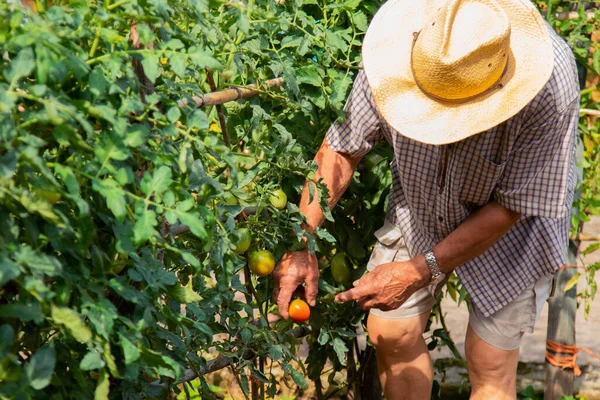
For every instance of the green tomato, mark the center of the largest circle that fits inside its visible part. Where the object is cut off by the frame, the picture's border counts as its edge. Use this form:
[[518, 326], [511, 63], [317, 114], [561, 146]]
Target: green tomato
[[261, 262], [48, 195], [340, 268], [242, 241], [278, 199], [372, 160], [230, 199]]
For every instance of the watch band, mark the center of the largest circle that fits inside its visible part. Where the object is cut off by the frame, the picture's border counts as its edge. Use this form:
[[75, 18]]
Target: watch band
[[433, 265]]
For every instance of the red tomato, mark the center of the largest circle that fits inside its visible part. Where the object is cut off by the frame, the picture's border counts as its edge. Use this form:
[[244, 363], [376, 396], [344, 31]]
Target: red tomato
[[299, 311]]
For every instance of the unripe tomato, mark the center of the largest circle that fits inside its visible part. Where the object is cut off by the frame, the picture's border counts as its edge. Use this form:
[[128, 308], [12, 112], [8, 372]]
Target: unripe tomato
[[278, 199], [340, 269], [299, 311], [242, 241], [261, 262], [48, 195], [372, 160], [230, 199]]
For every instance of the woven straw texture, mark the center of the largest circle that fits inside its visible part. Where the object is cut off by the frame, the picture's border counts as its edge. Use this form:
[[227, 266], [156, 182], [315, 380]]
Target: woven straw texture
[[450, 32]]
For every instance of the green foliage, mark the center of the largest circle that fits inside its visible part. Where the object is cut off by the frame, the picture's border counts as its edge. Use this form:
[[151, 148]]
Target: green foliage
[[118, 270], [117, 262], [581, 32]]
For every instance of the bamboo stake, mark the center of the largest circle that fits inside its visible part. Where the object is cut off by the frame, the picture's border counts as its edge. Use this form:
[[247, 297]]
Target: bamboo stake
[[595, 113], [224, 96], [586, 237], [561, 16]]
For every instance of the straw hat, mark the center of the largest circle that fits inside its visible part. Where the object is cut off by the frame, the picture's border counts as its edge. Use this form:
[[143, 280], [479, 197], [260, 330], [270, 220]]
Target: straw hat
[[443, 70]]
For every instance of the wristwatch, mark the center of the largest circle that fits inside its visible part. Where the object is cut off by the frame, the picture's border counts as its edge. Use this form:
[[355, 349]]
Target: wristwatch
[[437, 275]]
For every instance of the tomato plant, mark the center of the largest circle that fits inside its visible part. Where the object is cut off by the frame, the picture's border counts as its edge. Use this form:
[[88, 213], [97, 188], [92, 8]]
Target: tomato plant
[[122, 204]]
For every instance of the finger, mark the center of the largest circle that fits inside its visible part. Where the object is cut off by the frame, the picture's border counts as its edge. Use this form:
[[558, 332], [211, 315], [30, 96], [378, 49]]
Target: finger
[[312, 286], [352, 294], [356, 283], [275, 294], [283, 299]]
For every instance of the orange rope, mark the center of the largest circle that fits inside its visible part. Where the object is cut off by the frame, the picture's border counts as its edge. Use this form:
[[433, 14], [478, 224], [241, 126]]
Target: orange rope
[[567, 267], [568, 357]]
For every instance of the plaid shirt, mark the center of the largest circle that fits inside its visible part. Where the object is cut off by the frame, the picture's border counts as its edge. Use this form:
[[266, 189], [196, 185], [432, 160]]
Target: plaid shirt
[[526, 164]]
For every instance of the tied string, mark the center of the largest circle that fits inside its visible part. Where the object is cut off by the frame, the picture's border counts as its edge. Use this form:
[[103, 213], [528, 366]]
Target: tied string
[[567, 357]]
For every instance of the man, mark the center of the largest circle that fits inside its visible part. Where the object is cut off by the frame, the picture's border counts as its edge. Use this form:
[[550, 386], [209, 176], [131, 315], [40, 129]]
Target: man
[[479, 99]]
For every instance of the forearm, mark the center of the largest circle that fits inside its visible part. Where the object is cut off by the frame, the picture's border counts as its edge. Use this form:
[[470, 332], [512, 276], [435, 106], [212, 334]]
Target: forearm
[[473, 236], [336, 169]]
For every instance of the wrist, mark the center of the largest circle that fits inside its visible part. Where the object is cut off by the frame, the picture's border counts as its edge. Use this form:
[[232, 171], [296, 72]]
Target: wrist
[[423, 272]]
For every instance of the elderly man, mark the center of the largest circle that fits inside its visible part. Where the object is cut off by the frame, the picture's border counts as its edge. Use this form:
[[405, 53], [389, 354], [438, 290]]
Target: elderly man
[[479, 99]]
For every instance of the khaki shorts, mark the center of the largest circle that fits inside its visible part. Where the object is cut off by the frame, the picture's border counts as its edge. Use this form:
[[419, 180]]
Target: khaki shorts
[[503, 329]]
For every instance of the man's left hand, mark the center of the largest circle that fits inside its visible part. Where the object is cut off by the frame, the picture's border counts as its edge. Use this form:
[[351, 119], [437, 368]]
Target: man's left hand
[[388, 286]]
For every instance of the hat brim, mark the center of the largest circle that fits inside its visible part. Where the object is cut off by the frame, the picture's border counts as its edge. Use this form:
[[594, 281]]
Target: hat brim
[[386, 61]]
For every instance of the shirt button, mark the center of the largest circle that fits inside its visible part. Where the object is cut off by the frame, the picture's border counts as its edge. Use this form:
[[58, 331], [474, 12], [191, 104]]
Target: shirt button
[[441, 219]]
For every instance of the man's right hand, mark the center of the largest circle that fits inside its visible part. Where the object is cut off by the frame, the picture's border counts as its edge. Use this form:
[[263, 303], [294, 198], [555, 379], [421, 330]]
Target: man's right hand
[[294, 269]]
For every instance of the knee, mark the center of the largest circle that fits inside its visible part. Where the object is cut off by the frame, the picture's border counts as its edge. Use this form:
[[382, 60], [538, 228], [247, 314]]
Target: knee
[[392, 337], [488, 363]]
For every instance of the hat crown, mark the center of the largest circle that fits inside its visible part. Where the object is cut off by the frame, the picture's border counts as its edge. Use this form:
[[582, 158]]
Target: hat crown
[[462, 50]]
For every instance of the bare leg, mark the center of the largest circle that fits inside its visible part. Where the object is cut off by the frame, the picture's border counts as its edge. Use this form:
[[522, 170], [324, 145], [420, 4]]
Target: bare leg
[[403, 361], [492, 371]]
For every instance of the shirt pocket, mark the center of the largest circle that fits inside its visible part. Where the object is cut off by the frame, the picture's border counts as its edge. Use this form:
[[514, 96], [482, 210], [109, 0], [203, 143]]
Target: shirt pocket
[[477, 180]]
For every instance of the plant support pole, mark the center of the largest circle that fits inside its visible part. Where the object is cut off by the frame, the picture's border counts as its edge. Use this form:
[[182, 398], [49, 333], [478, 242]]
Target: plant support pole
[[224, 96]]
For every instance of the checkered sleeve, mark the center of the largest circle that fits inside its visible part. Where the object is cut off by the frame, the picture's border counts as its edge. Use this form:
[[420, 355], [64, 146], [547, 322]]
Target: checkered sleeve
[[359, 131], [536, 178]]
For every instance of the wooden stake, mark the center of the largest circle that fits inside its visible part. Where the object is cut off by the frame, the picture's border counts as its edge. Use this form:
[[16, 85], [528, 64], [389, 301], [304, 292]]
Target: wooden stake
[[224, 96]]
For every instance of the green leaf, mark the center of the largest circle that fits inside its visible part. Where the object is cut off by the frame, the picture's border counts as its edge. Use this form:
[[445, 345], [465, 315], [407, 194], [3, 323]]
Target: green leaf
[[91, 361], [310, 75], [335, 40], [103, 387], [7, 101], [195, 223], [173, 114], [151, 66], [130, 351], [183, 294], [40, 367], [572, 282], [161, 179], [592, 247], [177, 62], [8, 271], [136, 135], [7, 336], [198, 119], [115, 196], [24, 312], [174, 44], [38, 262], [203, 59], [323, 337], [21, 66], [144, 226], [98, 83], [8, 163], [291, 41], [73, 322], [360, 21], [340, 349]]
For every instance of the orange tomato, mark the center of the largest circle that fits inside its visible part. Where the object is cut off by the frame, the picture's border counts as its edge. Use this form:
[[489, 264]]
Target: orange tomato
[[299, 311]]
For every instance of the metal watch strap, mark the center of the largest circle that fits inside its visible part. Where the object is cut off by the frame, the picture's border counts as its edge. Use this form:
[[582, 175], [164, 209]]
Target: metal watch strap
[[432, 264]]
